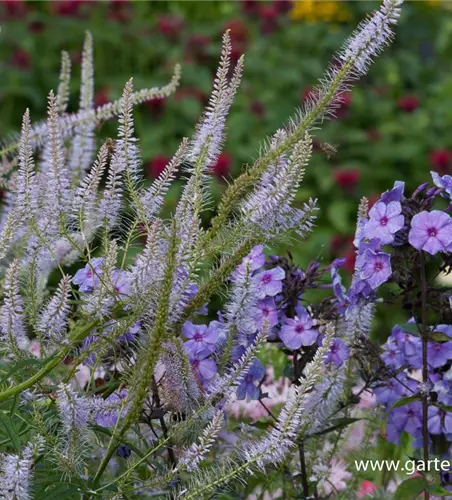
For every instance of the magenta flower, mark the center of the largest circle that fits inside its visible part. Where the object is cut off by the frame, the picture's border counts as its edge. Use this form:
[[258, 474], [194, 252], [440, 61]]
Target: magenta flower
[[385, 220], [298, 331], [431, 232], [376, 268], [269, 283], [201, 339]]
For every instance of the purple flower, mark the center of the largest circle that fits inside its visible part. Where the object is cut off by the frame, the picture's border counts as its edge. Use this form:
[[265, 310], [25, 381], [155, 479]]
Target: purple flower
[[405, 418], [121, 282], [204, 367], [109, 414], [410, 346], [338, 352], [255, 259], [395, 388], [269, 282], [88, 277], [336, 281], [376, 268], [392, 355], [248, 388], [298, 331], [385, 221], [266, 309], [439, 421], [394, 194], [439, 353], [444, 182], [431, 231], [202, 339]]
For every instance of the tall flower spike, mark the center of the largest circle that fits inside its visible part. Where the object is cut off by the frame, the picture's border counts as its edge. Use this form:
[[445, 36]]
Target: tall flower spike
[[82, 150], [111, 202], [74, 410], [12, 329], [54, 318], [65, 79], [207, 142]]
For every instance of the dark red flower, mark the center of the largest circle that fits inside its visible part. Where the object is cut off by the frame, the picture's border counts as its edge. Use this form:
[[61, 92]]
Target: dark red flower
[[20, 59], [342, 246], [222, 167], [250, 7], [238, 31], [268, 14], [14, 9], [347, 178], [258, 109], [197, 46], [156, 166], [170, 26], [69, 8], [408, 103], [155, 107], [342, 103], [102, 97], [36, 27], [283, 6], [441, 160], [119, 10]]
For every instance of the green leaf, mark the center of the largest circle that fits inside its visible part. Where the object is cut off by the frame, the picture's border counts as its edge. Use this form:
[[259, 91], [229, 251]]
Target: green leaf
[[438, 491], [410, 489], [405, 401], [410, 328], [10, 431]]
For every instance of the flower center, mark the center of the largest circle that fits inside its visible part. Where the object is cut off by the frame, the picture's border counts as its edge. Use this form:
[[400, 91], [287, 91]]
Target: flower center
[[265, 311], [195, 363], [432, 232], [333, 349], [383, 221], [266, 279], [299, 328], [378, 266], [198, 337], [249, 379]]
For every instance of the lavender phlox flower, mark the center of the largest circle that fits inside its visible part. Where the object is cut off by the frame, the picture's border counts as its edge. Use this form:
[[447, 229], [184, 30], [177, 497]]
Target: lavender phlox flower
[[266, 310], [201, 339], [439, 353], [392, 355], [404, 418], [269, 282], [391, 390], [410, 347], [88, 277], [394, 194], [205, 368], [419, 189], [338, 352], [376, 269], [254, 260], [298, 331], [248, 388], [122, 283], [439, 421], [109, 410], [443, 389], [336, 281], [444, 182], [431, 232], [385, 220]]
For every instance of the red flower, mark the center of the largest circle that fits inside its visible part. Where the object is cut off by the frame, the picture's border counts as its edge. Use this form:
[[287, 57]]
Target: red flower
[[119, 10], [21, 60], [366, 488], [269, 18], [258, 109], [408, 103], [222, 167], [102, 97], [170, 26], [347, 178], [284, 6], [197, 48], [342, 246], [69, 8], [239, 31], [155, 107], [441, 160], [14, 9], [156, 166], [36, 27], [250, 7]]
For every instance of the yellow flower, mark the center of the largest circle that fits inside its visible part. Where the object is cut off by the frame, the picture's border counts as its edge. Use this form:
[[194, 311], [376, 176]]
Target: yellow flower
[[315, 10]]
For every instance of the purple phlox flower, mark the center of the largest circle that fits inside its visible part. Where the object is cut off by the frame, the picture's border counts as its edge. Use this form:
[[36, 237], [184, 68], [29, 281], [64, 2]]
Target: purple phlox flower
[[201, 339], [131, 333], [121, 282], [405, 418], [394, 194], [269, 282], [411, 348], [439, 353], [359, 232], [338, 352], [248, 388], [266, 310], [204, 367], [220, 330], [439, 421], [392, 355], [376, 269], [237, 352], [298, 331], [385, 220], [431, 231], [88, 277], [443, 390], [444, 182], [109, 413], [336, 280], [395, 388], [255, 259]]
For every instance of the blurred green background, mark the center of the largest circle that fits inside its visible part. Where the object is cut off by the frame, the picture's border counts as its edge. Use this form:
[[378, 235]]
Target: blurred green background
[[396, 124]]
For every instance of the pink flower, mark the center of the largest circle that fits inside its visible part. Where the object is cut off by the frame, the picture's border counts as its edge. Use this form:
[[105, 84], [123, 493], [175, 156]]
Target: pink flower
[[408, 103], [367, 488], [222, 167], [156, 166]]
